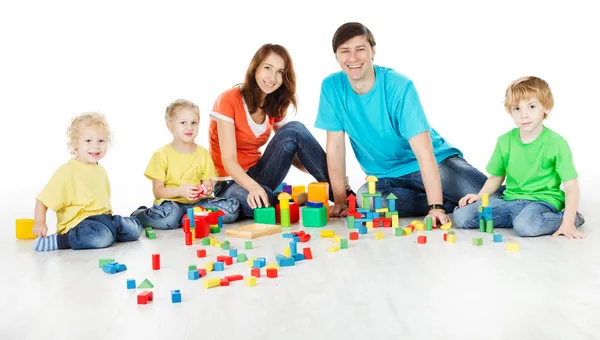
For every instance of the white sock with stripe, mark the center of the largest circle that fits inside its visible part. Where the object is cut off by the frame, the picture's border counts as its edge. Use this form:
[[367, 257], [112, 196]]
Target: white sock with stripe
[[47, 243]]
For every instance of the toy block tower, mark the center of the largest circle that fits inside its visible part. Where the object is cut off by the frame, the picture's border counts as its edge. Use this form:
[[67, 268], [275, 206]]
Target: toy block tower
[[316, 212], [370, 215], [486, 222], [351, 204], [284, 208]]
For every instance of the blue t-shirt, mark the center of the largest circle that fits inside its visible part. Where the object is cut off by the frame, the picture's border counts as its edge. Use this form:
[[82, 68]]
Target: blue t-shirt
[[379, 123]]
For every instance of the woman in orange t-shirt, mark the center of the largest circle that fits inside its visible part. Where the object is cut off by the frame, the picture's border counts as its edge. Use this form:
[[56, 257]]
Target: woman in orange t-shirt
[[241, 123]]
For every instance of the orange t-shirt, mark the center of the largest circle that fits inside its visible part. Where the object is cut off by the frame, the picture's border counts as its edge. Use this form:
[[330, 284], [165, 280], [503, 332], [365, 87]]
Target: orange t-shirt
[[249, 136]]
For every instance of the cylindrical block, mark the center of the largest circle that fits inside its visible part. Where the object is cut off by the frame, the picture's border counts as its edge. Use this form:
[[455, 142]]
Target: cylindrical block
[[285, 217], [428, 223], [155, 261], [490, 227], [188, 239], [482, 225]]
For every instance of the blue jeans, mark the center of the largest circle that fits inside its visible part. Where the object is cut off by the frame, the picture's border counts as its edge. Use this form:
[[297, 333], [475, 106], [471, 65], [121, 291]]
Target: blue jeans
[[458, 179], [291, 140], [527, 218], [168, 214], [101, 231]]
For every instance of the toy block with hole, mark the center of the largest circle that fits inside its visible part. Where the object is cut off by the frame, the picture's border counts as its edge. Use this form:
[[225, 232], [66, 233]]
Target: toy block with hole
[[422, 239], [145, 284], [193, 275], [354, 236], [251, 281], [446, 226], [24, 228], [294, 213], [314, 217], [379, 235], [265, 215], [307, 254], [497, 238], [155, 261], [271, 273], [144, 297], [175, 296], [512, 247], [477, 241], [211, 282], [451, 238]]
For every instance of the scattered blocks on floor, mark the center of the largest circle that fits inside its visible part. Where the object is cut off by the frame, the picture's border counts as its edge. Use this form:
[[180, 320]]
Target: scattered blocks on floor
[[212, 282], [175, 296], [344, 243], [379, 235], [407, 230], [497, 238], [399, 231], [236, 277], [362, 230], [224, 282], [24, 229], [513, 247], [283, 261], [145, 284], [251, 281], [422, 239], [255, 272], [113, 268], [314, 217], [242, 258], [219, 266], [155, 261], [144, 297], [193, 275], [327, 233], [477, 241], [265, 215], [130, 283], [354, 236], [192, 267], [248, 245], [271, 273], [307, 254], [201, 253], [333, 249], [451, 238]]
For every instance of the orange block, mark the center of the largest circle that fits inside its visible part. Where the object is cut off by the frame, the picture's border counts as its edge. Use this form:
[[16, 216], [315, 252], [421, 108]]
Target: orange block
[[318, 192]]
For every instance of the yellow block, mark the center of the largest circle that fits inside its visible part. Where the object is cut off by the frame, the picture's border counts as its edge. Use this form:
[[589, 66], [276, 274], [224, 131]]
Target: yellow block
[[512, 246], [382, 210], [327, 233], [272, 265], [333, 249], [251, 281], [298, 189], [218, 245], [407, 231], [212, 282], [446, 226], [418, 225], [209, 267], [284, 204], [485, 200], [251, 262], [394, 221], [287, 252], [451, 238], [213, 241], [369, 224], [337, 240], [318, 192], [24, 228], [379, 235]]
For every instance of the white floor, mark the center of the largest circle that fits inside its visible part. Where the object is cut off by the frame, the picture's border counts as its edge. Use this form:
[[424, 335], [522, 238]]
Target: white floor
[[387, 289]]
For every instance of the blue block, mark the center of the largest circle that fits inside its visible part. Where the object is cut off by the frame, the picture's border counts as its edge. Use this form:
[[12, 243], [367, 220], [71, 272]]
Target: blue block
[[130, 283], [293, 248], [487, 210], [357, 224], [219, 266], [283, 261], [109, 268], [497, 237], [190, 214], [362, 230], [372, 215], [377, 202], [298, 257], [288, 235], [121, 267], [175, 296], [220, 221], [193, 275], [487, 216], [314, 204], [391, 205], [280, 187], [263, 261], [296, 239], [233, 252], [363, 210]]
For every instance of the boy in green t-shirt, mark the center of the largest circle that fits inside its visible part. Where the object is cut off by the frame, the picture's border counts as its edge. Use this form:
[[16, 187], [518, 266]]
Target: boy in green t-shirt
[[535, 161]]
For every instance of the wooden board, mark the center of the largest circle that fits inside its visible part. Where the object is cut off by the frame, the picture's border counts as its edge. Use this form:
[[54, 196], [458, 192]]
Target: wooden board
[[255, 230]]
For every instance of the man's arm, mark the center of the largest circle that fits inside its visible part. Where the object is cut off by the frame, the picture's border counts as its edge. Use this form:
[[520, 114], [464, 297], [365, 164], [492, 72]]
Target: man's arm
[[336, 163]]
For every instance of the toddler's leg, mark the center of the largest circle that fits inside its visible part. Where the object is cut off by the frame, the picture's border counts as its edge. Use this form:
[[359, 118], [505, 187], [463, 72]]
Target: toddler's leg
[[230, 206], [167, 215], [540, 218], [238, 193], [128, 228], [94, 232], [468, 216]]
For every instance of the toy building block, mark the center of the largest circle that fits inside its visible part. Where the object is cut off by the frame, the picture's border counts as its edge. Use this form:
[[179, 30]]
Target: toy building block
[[287, 252], [255, 272], [344, 244], [288, 235], [110, 268], [394, 221], [190, 216], [379, 235], [145, 284], [233, 252], [354, 236], [201, 253], [446, 226], [297, 190], [451, 232], [262, 262], [485, 200], [314, 217], [188, 239], [130, 283], [192, 267], [202, 228], [175, 296], [283, 261], [144, 297], [214, 229], [155, 261], [327, 233], [298, 257], [224, 282], [102, 262], [304, 238], [407, 230], [372, 181], [251, 281], [219, 266], [477, 241], [236, 277], [391, 198], [318, 192], [151, 235], [381, 210], [228, 260], [314, 204], [513, 247], [280, 187], [294, 213], [337, 239], [272, 265], [445, 237], [419, 226], [428, 223], [369, 224], [377, 203], [284, 200], [489, 226], [248, 245], [209, 267], [265, 215], [351, 203], [225, 245], [387, 222], [294, 248], [497, 238], [287, 189], [422, 239], [218, 244], [333, 249], [285, 217], [451, 238], [271, 273], [242, 258], [211, 283], [201, 272], [350, 221], [206, 241], [307, 253], [362, 230], [482, 225], [193, 275], [24, 228]]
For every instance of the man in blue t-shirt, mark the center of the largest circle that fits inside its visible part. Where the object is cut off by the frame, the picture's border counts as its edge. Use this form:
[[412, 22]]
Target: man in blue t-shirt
[[380, 111]]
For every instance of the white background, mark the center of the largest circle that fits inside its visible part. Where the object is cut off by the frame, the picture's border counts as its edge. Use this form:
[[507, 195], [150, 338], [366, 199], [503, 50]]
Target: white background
[[129, 60]]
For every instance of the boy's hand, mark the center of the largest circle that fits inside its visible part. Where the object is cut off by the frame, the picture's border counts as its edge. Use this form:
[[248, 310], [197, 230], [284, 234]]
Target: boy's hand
[[40, 229], [468, 199], [338, 210], [189, 191], [569, 230]]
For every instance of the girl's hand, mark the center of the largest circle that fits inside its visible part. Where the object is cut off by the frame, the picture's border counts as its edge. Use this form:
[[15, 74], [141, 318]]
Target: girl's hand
[[189, 191], [40, 229]]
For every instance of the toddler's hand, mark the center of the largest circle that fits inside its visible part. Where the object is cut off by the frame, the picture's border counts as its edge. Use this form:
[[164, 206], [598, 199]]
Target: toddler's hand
[[40, 229], [189, 191], [569, 230], [468, 199]]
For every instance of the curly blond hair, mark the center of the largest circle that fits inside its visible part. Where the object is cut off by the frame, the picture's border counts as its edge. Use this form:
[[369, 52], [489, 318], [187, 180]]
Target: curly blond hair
[[178, 104], [78, 123]]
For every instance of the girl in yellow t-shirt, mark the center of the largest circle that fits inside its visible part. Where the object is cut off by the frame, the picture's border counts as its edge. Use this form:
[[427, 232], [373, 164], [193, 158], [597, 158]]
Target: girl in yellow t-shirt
[[181, 173], [79, 193]]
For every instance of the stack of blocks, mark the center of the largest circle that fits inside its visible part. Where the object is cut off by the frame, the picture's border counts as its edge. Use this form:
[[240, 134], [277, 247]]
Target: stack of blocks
[[199, 222], [316, 212], [370, 215], [486, 223]]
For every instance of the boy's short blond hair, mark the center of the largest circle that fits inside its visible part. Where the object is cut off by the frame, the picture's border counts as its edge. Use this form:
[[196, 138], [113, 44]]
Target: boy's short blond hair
[[527, 87], [179, 104], [82, 121]]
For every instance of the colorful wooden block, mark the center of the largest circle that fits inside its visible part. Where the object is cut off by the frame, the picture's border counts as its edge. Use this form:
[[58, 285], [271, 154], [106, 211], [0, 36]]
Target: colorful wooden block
[[497, 238], [327, 233], [307, 253], [251, 281], [271, 273], [354, 236], [219, 266], [201, 253], [513, 247], [333, 249], [477, 241], [212, 282], [344, 244], [255, 272], [248, 244], [104, 261], [379, 235], [451, 238], [314, 217], [175, 296], [193, 275], [144, 297], [265, 215], [318, 192], [428, 223], [422, 239], [130, 283], [24, 229], [155, 261], [242, 258]]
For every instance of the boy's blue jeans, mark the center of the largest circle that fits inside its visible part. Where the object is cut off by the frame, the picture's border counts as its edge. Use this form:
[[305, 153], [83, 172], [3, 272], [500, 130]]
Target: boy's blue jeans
[[168, 214], [527, 218], [458, 177], [291, 140], [101, 231]]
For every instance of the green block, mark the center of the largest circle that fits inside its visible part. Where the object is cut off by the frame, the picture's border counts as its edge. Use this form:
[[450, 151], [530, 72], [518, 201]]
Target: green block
[[192, 267], [212, 209], [314, 217], [151, 235], [215, 230], [145, 284], [366, 202], [285, 217], [242, 258], [225, 245], [265, 215], [344, 244], [248, 244], [482, 225], [398, 231], [366, 194], [148, 229], [428, 223], [389, 214], [489, 226], [350, 221], [206, 241], [102, 262], [451, 232], [477, 241], [480, 209]]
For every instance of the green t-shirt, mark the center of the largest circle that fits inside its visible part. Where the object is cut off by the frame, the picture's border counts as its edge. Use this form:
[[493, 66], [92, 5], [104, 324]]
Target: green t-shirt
[[536, 170]]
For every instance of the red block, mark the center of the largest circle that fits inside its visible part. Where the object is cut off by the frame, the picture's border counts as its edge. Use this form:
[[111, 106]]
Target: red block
[[304, 238], [271, 273], [144, 297], [307, 253], [202, 229], [445, 237], [228, 260], [376, 222], [255, 272], [224, 282], [298, 233], [201, 252], [422, 239], [202, 272], [387, 222], [213, 218], [354, 235], [186, 225], [412, 227], [294, 213], [188, 239], [237, 277], [155, 261]]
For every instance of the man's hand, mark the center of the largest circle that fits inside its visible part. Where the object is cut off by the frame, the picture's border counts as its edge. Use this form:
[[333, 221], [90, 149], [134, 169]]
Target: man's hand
[[338, 210], [438, 215]]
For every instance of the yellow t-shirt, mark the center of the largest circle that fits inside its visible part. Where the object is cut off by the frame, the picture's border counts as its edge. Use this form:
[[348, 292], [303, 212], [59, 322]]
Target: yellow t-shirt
[[75, 192], [175, 168]]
